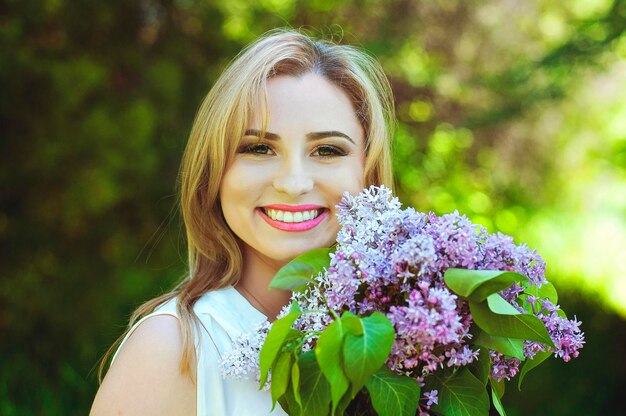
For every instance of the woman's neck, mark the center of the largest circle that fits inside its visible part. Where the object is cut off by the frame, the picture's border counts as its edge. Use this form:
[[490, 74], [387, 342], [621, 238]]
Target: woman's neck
[[256, 275]]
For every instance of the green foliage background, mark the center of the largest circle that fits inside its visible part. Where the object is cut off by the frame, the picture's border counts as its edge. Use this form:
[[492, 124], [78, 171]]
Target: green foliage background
[[511, 112]]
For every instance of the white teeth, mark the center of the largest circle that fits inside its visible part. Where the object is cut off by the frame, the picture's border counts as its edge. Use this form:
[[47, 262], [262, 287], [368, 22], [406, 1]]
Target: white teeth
[[287, 216]]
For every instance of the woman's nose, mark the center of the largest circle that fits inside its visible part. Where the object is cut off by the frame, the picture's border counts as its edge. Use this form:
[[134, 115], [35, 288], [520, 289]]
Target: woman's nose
[[293, 179]]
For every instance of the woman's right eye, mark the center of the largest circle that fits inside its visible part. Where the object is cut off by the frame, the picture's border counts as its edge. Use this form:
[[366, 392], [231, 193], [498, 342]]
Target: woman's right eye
[[258, 149]]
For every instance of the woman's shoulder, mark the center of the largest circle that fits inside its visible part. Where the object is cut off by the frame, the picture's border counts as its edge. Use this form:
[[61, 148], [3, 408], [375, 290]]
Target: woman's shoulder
[[145, 377]]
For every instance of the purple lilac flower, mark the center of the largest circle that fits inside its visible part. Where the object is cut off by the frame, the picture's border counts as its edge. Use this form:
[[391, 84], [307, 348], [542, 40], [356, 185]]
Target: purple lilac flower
[[432, 398], [531, 348], [565, 334], [413, 258], [455, 240], [502, 367], [429, 322], [317, 317], [461, 357], [242, 361], [501, 253], [343, 281]]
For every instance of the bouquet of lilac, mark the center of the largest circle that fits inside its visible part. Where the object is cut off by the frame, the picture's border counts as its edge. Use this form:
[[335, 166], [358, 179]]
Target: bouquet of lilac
[[409, 313]]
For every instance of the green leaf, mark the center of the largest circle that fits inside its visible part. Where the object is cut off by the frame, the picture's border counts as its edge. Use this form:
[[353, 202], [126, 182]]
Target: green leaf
[[547, 290], [522, 301], [530, 364], [296, 274], [476, 285], [295, 308], [497, 319], [512, 347], [314, 388], [393, 394], [328, 352], [284, 403], [280, 333], [497, 304], [498, 386], [481, 367], [343, 404], [289, 404], [295, 379], [461, 394], [367, 345], [351, 324], [281, 372], [497, 404]]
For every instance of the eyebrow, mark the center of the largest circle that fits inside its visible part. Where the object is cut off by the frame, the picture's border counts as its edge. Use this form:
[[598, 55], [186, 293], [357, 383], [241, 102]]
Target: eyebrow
[[310, 136]]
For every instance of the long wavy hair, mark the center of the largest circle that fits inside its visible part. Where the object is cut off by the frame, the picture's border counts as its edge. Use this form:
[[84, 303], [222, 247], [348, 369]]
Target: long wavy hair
[[214, 255]]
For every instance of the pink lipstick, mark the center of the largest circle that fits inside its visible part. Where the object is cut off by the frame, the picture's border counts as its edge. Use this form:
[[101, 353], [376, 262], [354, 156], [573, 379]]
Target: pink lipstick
[[293, 226]]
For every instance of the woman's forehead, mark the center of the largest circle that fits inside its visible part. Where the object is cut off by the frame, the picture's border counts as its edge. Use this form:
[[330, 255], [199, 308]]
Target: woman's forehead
[[310, 98]]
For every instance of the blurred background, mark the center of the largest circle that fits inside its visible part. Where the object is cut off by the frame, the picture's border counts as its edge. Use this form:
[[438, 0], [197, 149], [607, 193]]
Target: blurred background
[[512, 112]]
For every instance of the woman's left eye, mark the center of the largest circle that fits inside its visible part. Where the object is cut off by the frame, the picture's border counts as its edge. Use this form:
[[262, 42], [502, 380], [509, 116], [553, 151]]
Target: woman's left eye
[[328, 151]]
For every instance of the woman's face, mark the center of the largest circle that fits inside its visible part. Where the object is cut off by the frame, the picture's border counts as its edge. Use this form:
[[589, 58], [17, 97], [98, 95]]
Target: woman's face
[[279, 193]]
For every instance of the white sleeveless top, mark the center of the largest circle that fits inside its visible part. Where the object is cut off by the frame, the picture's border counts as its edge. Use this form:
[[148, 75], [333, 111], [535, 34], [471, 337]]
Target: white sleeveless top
[[224, 315]]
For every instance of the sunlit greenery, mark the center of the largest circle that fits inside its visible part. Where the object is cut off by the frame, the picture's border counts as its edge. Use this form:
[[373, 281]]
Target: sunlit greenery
[[512, 112]]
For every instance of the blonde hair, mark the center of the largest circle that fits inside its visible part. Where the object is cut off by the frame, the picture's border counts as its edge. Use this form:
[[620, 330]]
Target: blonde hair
[[214, 256]]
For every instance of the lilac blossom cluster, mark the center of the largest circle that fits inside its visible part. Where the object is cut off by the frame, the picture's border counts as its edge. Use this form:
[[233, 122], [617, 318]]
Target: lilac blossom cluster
[[242, 361], [317, 316], [393, 260]]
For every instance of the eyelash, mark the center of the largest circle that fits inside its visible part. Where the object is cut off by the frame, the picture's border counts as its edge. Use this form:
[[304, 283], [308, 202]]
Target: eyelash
[[255, 149], [334, 151]]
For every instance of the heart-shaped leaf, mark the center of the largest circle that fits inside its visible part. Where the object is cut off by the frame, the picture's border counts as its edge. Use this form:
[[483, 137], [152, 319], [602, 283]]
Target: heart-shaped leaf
[[461, 394], [393, 394], [367, 345]]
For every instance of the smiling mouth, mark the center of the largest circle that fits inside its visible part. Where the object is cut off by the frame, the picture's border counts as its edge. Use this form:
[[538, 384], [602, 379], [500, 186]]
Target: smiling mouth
[[294, 218], [290, 217]]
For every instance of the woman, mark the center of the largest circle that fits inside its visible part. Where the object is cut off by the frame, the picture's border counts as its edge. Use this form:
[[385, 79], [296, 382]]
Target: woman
[[290, 126]]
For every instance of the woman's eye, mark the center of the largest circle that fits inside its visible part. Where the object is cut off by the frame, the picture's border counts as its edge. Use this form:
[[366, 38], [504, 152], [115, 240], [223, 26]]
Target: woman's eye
[[328, 151], [258, 149]]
